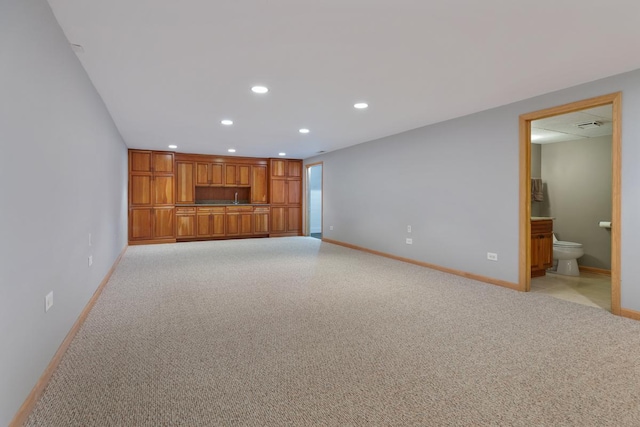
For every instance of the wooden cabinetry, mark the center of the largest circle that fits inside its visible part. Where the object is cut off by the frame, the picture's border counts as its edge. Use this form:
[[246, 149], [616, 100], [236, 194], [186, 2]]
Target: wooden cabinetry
[[210, 221], [285, 189], [261, 220], [185, 188], [237, 175], [259, 184], [541, 246], [185, 222], [151, 196], [239, 220], [210, 174]]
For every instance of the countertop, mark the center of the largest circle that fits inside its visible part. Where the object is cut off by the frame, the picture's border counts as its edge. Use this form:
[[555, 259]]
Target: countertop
[[541, 218], [189, 205]]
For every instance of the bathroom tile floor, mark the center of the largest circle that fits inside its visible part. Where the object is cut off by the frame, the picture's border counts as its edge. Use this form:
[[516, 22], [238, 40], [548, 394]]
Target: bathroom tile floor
[[587, 289]]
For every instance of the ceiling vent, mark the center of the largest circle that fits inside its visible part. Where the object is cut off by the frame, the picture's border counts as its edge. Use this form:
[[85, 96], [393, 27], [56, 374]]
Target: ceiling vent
[[589, 125]]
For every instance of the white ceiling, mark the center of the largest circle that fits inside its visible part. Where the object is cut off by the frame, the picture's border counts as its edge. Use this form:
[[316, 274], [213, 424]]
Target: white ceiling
[[565, 126], [169, 71]]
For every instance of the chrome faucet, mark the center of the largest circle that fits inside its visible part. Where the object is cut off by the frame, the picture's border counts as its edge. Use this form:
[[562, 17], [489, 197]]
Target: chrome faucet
[[235, 202]]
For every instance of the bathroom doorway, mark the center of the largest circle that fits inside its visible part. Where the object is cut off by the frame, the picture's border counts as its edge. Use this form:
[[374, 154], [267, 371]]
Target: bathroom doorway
[[314, 200], [614, 101]]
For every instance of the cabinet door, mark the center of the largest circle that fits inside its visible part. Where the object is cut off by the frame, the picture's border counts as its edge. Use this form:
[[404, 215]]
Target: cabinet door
[[163, 223], [246, 224], [278, 191], [294, 220], [217, 220], [261, 223], [278, 220], [243, 175], [294, 192], [258, 184], [163, 190], [139, 161], [203, 174], [233, 224], [185, 225], [278, 168], [185, 189], [230, 175], [217, 174], [546, 250], [294, 168], [203, 224], [140, 224], [162, 162], [140, 190]]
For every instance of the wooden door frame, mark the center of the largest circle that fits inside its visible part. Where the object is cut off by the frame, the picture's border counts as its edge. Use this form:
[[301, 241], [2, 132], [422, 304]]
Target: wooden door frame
[[615, 100], [307, 204]]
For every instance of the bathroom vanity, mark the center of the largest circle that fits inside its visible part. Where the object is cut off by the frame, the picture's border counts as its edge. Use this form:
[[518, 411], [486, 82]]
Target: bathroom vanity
[[541, 245]]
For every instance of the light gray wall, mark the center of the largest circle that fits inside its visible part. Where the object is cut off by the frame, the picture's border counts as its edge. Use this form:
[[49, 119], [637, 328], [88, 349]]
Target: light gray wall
[[536, 172], [63, 174], [577, 175], [456, 183]]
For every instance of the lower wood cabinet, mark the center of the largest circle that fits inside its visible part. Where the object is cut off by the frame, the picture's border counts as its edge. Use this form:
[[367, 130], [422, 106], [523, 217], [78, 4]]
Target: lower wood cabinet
[[210, 222], [541, 246], [203, 222], [286, 221], [152, 224], [239, 223], [261, 220], [185, 223]]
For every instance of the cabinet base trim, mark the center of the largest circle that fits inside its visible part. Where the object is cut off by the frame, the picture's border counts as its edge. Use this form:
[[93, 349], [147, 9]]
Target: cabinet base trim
[[503, 283], [29, 403], [151, 242]]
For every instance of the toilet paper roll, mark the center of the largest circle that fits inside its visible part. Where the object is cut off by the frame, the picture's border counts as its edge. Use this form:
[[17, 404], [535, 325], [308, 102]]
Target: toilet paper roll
[[604, 224]]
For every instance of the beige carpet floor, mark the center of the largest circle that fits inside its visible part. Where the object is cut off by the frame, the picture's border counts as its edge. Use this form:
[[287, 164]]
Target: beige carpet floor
[[297, 332]]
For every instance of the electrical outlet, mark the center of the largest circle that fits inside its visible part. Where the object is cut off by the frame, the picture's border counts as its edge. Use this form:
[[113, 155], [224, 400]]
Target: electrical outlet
[[90, 260], [331, 227], [408, 229], [409, 241], [492, 256], [48, 301]]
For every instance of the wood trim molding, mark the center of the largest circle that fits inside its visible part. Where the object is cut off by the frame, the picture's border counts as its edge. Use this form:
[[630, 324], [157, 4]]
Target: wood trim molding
[[503, 283], [595, 270], [631, 314], [27, 407], [615, 99], [306, 202]]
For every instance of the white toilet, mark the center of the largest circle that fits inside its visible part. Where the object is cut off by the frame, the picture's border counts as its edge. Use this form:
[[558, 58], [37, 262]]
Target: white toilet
[[566, 255]]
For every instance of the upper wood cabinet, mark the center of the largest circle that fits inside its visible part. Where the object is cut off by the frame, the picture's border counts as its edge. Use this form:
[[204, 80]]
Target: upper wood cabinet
[[151, 178], [210, 174], [237, 175], [259, 184], [282, 168], [185, 189]]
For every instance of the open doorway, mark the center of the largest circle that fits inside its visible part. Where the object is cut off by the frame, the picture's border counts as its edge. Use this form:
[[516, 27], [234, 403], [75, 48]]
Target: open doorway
[[527, 251], [314, 200]]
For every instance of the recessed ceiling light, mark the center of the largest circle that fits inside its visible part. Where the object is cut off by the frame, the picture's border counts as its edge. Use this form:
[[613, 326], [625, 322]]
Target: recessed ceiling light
[[227, 122], [260, 89], [282, 154], [231, 150], [173, 147], [303, 130], [360, 105]]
